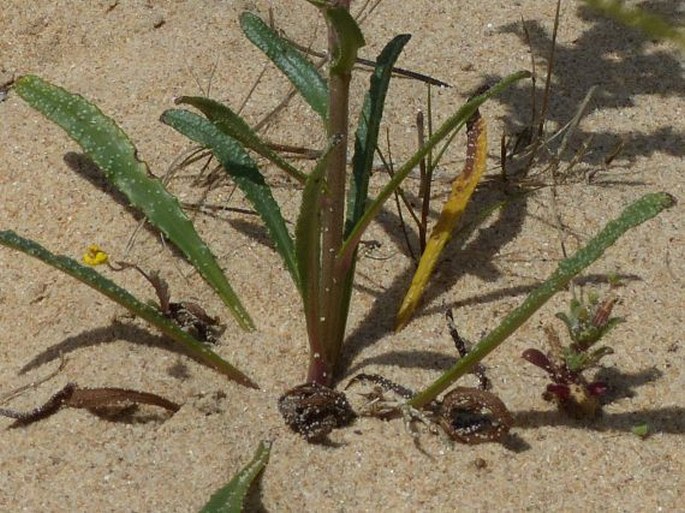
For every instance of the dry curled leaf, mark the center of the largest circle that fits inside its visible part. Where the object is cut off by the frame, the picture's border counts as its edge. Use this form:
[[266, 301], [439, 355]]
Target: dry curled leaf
[[474, 416]]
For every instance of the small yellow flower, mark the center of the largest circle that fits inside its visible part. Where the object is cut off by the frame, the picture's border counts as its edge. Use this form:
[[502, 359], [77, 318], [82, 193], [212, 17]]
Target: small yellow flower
[[95, 256]]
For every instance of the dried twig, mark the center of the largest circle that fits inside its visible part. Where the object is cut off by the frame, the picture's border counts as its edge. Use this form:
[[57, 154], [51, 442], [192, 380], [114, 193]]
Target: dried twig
[[74, 396]]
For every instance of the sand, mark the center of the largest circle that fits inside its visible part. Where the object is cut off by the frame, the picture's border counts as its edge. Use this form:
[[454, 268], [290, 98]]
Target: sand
[[132, 58]]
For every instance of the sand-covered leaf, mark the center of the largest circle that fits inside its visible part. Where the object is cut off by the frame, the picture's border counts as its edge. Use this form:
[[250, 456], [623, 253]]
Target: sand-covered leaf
[[296, 67], [112, 151], [114, 292], [230, 498]]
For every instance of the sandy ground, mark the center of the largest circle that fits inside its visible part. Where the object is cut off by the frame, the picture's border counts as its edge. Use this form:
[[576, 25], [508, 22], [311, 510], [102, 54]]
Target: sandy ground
[[132, 58]]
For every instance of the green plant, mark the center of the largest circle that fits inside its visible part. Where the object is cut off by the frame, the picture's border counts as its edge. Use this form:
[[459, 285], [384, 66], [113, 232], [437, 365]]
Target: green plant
[[321, 256], [230, 498], [633, 215], [587, 323]]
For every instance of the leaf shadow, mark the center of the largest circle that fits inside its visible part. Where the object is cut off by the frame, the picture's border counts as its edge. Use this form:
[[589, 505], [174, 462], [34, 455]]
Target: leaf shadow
[[667, 420], [130, 414], [505, 228], [117, 330], [255, 231], [622, 62], [253, 499], [82, 165], [621, 385]]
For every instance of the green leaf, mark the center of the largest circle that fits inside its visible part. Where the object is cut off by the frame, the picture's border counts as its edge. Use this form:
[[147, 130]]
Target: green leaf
[[233, 125], [308, 250], [229, 498], [110, 289], [244, 171], [455, 122], [308, 247], [633, 215], [368, 127], [365, 143], [350, 37], [299, 70], [111, 150], [642, 430]]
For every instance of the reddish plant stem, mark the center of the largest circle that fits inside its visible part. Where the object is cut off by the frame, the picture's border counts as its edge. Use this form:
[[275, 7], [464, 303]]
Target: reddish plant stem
[[322, 364]]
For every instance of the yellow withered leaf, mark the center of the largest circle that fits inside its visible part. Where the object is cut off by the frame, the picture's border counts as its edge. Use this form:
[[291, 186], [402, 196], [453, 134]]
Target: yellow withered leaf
[[462, 189]]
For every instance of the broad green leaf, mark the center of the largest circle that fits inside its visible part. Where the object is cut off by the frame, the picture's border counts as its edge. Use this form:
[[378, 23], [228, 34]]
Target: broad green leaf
[[233, 125], [299, 70], [645, 208], [110, 289], [462, 189], [230, 498], [111, 150], [455, 122], [244, 171]]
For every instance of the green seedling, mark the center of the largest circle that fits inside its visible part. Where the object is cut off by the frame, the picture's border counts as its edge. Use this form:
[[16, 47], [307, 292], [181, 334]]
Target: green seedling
[[231, 497], [587, 322], [641, 430]]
